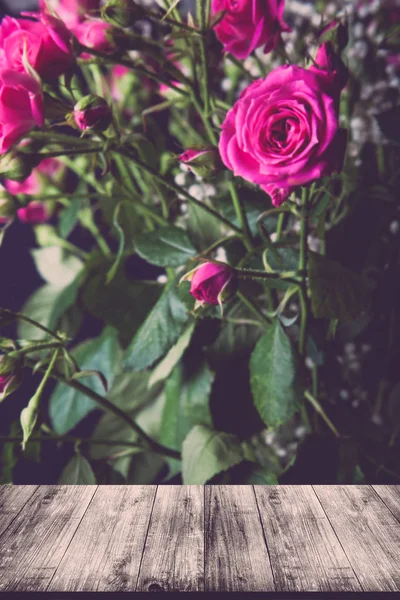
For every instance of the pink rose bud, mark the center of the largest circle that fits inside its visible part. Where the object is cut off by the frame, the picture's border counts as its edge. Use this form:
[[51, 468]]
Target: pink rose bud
[[204, 163], [331, 68], [21, 106], [34, 213], [95, 34], [92, 112], [11, 373], [337, 33], [15, 165], [122, 13], [211, 283], [44, 43], [249, 24]]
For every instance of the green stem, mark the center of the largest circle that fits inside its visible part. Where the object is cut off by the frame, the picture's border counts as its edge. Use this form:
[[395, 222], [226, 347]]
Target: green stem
[[279, 226], [91, 226], [181, 191], [321, 412], [201, 15], [47, 375], [217, 243], [37, 347], [22, 317], [302, 268], [253, 274], [110, 407], [241, 216], [253, 307]]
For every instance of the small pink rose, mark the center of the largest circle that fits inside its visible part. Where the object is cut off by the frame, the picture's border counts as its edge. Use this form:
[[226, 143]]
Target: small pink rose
[[92, 112], [34, 213], [249, 24], [95, 33], [21, 107], [211, 283]]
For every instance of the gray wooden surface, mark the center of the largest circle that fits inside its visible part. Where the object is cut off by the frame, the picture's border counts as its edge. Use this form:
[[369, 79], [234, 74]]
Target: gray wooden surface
[[194, 538]]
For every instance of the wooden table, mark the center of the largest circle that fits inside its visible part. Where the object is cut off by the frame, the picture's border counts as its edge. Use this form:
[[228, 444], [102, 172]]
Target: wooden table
[[195, 538]]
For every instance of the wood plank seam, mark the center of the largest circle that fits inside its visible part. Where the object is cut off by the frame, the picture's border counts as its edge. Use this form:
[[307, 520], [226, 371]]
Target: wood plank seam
[[334, 531], [20, 510], [265, 539], [145, 539], [386, 504], [70, 541]]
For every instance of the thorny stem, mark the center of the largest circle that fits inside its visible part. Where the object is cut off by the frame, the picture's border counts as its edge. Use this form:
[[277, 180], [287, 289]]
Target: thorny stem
[[302, 268]]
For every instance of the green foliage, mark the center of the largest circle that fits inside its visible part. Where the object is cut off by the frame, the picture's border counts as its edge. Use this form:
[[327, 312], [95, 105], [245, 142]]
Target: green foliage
[[206, 452], [77, 472], [166, 247], [274, 377], [158, 333], [68, 406]]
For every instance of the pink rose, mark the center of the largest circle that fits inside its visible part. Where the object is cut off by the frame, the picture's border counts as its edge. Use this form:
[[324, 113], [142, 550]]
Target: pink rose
[[47, 42], [283, 131], [211, 283], [249, 24], [93, 34], [72, 12], [21, 106], [34, 184], [33, 213], [203, 162]]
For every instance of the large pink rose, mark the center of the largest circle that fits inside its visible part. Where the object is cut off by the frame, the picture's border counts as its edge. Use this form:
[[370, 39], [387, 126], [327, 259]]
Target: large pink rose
[[249, 24], [21, 106], [283, 131], [47, 42]]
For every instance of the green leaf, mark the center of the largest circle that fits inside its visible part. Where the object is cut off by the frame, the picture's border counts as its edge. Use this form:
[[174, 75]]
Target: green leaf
[[260, 476], [273, 376], [206, 452], [122, 303], [130, 393], [167, 247], [166, 366], [144, 468], [46, 305], [121, 234], [77, 472], [158, 333], [56, 266], [203, 229], [69, 406], [336, 292], [69, 218]]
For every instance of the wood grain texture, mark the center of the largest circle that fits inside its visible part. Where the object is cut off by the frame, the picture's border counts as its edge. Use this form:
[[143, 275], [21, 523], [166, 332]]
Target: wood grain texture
[[390, 494], [368, 532], [34, 543], [236, 557], [304, 550], [106, 551], [173, 558], [13, 498]]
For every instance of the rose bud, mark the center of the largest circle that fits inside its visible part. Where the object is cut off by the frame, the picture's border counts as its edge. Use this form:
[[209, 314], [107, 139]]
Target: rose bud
[[122, 13], [92, 112], [11, 373], [96, 34], [34, 213], [211, 283], [336, 33], [15, 165], [204, 163]]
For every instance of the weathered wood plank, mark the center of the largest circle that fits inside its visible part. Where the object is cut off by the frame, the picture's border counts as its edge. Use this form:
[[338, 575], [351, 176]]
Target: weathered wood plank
[[236, 554], [368, 532], [390, 494], [34, 543], [173, 558], [304, 550], [106, 551], [12, 500]]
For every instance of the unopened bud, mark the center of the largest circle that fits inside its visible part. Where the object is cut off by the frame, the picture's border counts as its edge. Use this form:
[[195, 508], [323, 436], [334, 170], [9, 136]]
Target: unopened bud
[[122, 13], [211, 283], [16, 165], [11, 373], [204, 162], [92, 112], [8, 208], [335, 32]]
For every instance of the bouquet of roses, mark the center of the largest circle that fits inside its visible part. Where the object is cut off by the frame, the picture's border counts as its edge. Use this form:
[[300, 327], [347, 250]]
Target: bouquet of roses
[[181, 171]]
